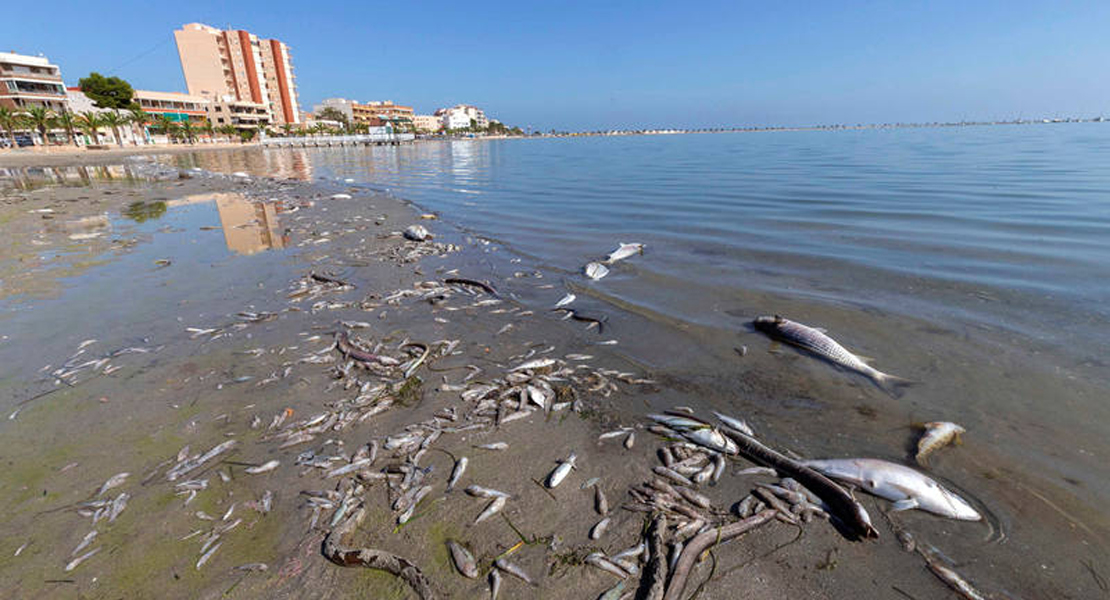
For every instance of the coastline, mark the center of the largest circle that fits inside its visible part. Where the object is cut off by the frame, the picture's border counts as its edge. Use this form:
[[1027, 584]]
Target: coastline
[[354, 250]]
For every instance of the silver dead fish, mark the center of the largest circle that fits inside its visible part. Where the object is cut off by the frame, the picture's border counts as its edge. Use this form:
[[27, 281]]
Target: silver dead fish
[[463, 559], [263, 468], [556, 477], [903, 486], [460, 468], [814, 340], [623, 251], [595, 270]]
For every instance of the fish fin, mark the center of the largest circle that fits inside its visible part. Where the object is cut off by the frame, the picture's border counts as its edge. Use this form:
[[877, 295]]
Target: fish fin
[[904, 504], [892, 384], [866, 359]]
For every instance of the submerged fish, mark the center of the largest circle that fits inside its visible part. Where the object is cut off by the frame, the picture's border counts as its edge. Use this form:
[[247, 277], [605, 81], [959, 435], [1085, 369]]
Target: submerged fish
[[937, 435], [815, 341], [595, 270], [905, 487], [566, 300], [624, 251], [463, 559]]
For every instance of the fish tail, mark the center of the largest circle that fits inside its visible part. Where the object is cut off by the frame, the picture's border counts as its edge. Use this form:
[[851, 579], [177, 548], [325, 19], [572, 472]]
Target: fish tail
[[892, 384]]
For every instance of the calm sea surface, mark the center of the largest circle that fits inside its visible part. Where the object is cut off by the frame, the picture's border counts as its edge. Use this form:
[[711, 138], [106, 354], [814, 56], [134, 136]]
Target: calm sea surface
[[975, 261]]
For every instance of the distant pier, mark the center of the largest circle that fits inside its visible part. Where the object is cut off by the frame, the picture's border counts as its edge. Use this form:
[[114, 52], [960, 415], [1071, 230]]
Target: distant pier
[[364, 139]]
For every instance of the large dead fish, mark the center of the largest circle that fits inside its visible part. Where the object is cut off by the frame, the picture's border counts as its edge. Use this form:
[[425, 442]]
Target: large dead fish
[[814, 340], [905, 487], [624, 251]]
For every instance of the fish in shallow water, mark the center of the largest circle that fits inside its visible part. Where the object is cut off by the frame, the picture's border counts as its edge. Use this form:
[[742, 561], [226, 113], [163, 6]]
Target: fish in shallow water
[[903, 486], [814, 340], [937, 435], [624, 251], [595, 270]]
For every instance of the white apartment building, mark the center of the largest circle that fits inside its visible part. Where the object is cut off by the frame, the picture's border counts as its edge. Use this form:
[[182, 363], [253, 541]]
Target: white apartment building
[[460, 116]]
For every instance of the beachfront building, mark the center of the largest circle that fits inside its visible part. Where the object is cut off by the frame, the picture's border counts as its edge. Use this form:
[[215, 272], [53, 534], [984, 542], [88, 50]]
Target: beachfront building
[[27, 81], [343, 105], [427, 123], [376, 113], [220, 63], [462, 116], [175, 105], [244, 115], [77, 102]]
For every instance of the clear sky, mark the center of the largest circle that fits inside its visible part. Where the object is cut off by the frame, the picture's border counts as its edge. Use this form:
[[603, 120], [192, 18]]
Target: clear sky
[[603, 64]]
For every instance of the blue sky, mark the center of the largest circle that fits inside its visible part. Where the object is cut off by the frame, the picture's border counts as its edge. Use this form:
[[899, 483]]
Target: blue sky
[[587, 65]]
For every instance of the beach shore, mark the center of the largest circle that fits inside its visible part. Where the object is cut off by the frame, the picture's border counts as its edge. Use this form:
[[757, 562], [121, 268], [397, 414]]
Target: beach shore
[[155, 318]]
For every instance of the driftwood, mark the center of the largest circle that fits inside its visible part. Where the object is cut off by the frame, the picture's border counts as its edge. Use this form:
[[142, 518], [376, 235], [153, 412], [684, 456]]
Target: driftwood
[[345, 556], [701, 542], [656, 570]]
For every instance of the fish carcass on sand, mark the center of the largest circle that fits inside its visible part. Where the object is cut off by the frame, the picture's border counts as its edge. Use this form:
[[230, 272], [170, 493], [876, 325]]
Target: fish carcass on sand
[[937, 435], [814, 340], [595, 270], [903, 486], [624, 251]]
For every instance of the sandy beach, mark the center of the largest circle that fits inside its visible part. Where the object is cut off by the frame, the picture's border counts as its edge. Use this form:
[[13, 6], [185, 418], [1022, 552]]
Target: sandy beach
[[207, 377]]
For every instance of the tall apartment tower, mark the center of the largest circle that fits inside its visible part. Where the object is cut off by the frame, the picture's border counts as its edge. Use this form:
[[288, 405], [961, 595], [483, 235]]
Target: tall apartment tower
[[236, 63]]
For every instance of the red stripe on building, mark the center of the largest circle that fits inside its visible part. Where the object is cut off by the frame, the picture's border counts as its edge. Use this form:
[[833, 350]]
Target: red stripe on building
[[283, 84], [248, 61]]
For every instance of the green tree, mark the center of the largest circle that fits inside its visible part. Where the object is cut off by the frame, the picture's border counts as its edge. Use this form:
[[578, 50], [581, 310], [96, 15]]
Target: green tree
[[67, 121], [114, 120], [333, 114], [138, 118], [247, 135], [39, 118], [107, 92], [10, 120], [228, 131], [143, 211], [286, 128], [187, 131], [90, 122], [166, 125], [207, 129]]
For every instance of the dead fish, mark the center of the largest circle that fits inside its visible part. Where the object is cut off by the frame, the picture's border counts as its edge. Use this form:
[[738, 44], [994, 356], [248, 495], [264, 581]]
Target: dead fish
[[492, 508], [596, 559], [88, 539], [263, 468], [494, 446], [949, 576], [350, 468], [814, 340], [512, 569], [598, 529], [601, 503], [738, 424], [905, 487], [937, 435], [484, 492], [73, 564], [556, 477], [623, 251], [207, 555], [416, 233], [566, 300], [595, 270], [712, 439], [463, 559], [113, 481], [538, 363], [460, 467]]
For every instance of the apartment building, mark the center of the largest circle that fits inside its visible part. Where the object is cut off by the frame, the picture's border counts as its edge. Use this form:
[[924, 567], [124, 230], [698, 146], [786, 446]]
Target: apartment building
[[427, 123], [219, 63], [342, 105], [178, 107], [461, 115], [377, 112], [30, 81], [227, 110]]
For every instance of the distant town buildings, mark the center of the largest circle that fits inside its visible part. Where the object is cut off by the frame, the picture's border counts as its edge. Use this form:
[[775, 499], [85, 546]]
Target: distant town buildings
[[461, 115], [221, 63], [427, 123], [27, 81], [373, 114]]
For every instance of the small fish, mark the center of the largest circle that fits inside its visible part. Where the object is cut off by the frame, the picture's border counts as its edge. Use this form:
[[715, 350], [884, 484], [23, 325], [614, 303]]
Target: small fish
[[598, 529], [590, 482], [484, 492], [513, 569], [623, 251], [88, 539], [556, 477], [712, 439], [953, 579], [73, 564], [494, 583], [814, 340], [460, 467], [566, 300], [263, 468], [207, 555], [539, 363], [595, 270], [113, 481], [463, 559], [596, 559], [614, 593], [738, 424], [492, 508], [937, 435], [494, 446], [601, 503]]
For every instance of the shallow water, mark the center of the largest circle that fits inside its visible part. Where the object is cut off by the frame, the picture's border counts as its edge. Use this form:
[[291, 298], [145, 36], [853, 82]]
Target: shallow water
[[971, 260]]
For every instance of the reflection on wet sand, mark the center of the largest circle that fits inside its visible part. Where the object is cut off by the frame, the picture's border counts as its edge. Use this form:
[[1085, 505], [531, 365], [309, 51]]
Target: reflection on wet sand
[[29, 178], [249, 227], [290, 163]]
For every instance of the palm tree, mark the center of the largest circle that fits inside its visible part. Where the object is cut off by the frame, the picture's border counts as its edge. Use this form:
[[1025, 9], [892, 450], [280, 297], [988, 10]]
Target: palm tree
[[66, 120], [138, 119], [187, 130], [114, 120], [207, 129], [39, 118], [167, 126], [228, 131], [91, 123], [286, 128], [10, 120]]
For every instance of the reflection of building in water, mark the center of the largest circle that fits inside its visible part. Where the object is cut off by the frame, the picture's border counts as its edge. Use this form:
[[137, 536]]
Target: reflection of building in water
[[249, 227]]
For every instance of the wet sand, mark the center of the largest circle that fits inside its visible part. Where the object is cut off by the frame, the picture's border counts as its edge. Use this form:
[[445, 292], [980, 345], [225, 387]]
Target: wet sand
[[233, 258]]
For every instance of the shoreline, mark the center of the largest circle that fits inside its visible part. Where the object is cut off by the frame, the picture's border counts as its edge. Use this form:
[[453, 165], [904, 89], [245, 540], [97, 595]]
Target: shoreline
[[344, 241]]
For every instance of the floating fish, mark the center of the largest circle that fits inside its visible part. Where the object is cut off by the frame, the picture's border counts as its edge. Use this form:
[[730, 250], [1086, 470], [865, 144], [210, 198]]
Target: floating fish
[[623, 251], [566, 300], [937, 435], [905, 487], [814, 340], [595, 270]]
